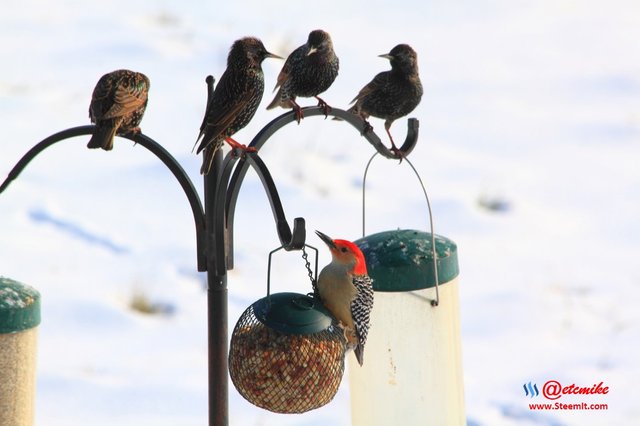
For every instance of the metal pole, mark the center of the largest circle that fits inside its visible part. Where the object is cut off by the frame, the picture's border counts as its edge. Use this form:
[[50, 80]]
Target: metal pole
[[217, 318], [218, 349]]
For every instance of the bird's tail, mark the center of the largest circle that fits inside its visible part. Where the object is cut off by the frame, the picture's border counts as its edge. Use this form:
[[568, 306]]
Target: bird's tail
[[359, 351], [197, 140], [103, 136], [277, 101], [207, 160], [354, 343]]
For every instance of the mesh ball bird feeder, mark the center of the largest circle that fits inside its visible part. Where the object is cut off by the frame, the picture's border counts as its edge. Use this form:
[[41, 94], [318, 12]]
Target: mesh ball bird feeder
[[287, 354]]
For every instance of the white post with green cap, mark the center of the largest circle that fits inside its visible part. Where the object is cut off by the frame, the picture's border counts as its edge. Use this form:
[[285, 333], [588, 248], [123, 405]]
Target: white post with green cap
[[19, 318], [412, 371]]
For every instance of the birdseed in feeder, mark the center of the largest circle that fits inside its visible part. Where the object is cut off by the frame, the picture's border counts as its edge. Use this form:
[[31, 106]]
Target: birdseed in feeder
[[285, 373]]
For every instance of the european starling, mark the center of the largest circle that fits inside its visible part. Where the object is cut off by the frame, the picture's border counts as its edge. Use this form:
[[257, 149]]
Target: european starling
[[235, 98], [391, 94], [117, 106], [308, 71]]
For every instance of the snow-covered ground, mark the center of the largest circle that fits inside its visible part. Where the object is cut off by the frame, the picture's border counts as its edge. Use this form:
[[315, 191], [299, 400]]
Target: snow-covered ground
[[533, 105]]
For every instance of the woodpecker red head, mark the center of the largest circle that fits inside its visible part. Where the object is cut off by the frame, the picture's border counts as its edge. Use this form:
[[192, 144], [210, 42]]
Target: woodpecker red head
[[345, 290], [345, 253]]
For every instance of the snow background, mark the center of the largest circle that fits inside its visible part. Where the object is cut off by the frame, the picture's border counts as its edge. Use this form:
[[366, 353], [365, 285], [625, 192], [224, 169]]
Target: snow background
[[533, 104]]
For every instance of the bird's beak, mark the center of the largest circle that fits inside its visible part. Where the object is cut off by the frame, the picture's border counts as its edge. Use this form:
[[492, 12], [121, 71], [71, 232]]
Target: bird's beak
[[271, 55], [327, 240], [312, 50], [386, 56]]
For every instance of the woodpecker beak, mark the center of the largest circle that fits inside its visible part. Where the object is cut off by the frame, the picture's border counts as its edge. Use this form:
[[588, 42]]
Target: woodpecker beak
[[312, 50], [271, 55], [327, 240], [386, 56]]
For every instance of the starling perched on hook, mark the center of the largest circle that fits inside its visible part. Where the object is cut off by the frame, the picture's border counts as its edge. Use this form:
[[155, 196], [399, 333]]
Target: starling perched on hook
[[391, 94], [235, 98], [117, 106], [308, 71]]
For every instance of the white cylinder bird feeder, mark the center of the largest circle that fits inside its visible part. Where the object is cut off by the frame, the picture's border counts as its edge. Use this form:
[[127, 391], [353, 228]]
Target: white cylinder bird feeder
[[19, 319], [412, 374]]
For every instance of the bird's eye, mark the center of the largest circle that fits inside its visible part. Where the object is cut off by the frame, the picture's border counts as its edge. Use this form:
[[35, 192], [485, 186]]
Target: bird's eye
[[343, 249]]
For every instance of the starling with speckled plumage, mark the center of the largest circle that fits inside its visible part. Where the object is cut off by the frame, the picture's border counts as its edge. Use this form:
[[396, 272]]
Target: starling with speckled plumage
[[235, 98], [117, 106], [391, 94], [308, 71]]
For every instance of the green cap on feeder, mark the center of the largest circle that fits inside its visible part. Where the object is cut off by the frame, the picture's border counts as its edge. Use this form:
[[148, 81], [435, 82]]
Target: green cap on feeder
[[292, 313], [286, 355], [19, 306], [402, 260]]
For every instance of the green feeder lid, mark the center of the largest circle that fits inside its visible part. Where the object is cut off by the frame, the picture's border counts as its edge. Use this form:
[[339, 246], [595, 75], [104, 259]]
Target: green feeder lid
[[402, 260], [19, 306], [292, 313]]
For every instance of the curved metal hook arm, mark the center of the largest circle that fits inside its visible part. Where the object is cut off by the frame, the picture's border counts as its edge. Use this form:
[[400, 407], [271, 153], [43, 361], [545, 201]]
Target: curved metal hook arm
[[187, 187], [290, 240], [41, 146], [261, 138], [353, 119], [145, 141]]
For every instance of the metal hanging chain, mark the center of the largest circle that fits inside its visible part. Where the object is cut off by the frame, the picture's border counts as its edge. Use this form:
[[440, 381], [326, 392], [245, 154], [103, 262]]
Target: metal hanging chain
[[435, 302], [312, 277]]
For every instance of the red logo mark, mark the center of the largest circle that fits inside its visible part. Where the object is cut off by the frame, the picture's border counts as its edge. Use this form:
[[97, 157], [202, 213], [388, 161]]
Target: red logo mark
[[553, 390]]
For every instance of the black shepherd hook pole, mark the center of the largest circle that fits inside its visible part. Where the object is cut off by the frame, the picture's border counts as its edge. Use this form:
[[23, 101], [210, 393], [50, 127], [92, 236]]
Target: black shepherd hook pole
[[214, 222]]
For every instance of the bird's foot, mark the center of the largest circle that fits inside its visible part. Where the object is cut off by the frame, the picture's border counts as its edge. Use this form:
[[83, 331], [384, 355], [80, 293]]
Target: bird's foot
[[398, 152], [325, 107], [349, 333], [345, 330], [298, 112], [367, 127], [239, 146], [240, 152], [237, 153]]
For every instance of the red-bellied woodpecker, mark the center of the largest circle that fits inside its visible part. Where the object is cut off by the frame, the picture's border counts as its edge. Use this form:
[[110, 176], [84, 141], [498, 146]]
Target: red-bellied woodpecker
[[345, 290]]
